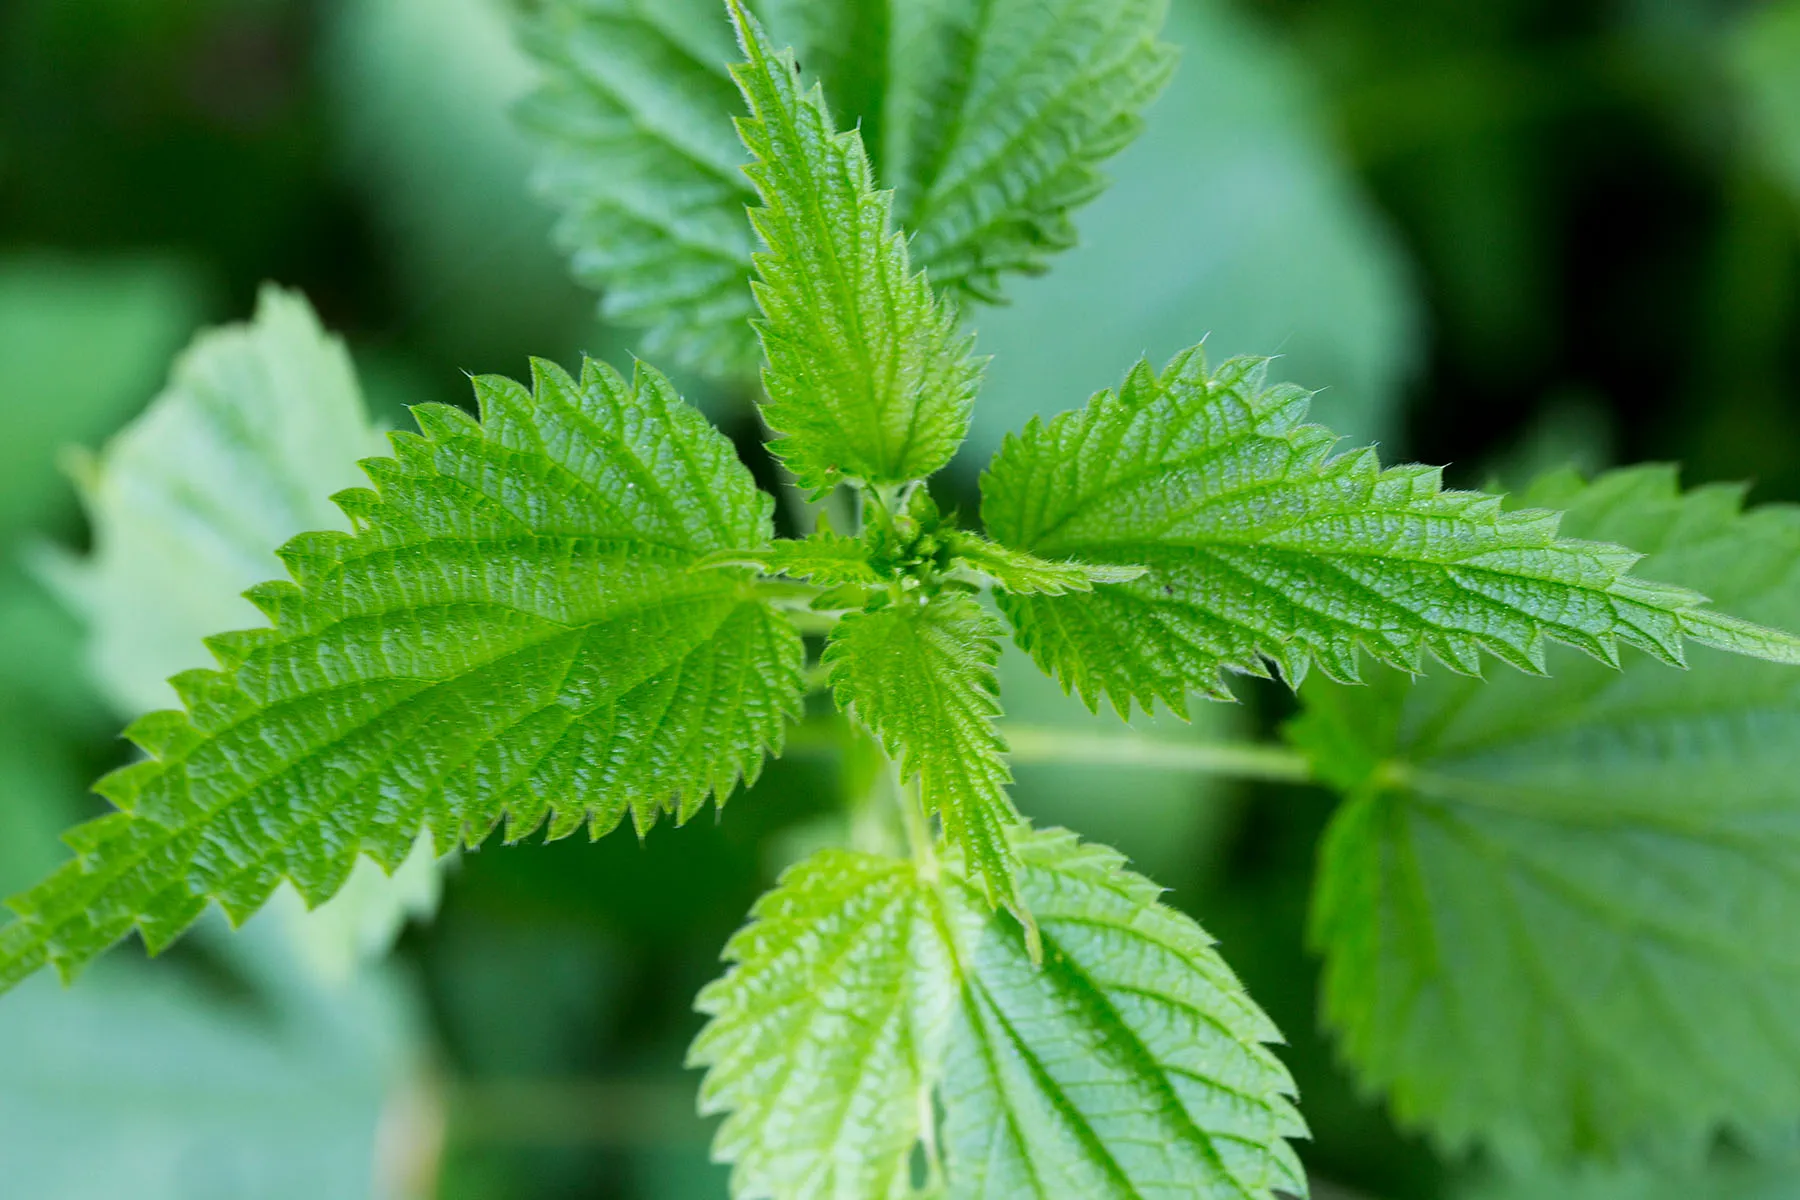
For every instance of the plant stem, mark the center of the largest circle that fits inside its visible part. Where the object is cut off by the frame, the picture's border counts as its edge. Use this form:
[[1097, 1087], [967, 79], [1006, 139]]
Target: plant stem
[[1244, 760], [912, 816]]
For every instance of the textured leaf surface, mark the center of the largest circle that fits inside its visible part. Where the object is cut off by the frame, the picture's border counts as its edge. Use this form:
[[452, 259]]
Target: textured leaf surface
[[1557, 914], [869, 374], [1264, 547], [921, 675], [637, 151], [515, 631], [827, 1033], [1003, 113], [823, 557], [989, 119], [258, 426], [1016, 571], [1130, 1064]]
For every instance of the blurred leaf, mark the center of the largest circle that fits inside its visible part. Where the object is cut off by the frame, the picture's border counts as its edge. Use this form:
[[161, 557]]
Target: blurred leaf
[[1764, 55], [258, 426], [82, 345], [1557, 913], [136, 1084], [1231, 218], [422, 92], [1732, 1179]]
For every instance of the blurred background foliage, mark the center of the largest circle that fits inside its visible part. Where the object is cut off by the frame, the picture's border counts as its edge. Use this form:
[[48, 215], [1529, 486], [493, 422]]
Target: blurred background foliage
[[1500, 235]]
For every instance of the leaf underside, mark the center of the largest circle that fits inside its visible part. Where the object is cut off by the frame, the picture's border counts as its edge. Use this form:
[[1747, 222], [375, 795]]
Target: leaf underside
[[1264, 548], [1130, 1064], [1556, 913], [513, 633]]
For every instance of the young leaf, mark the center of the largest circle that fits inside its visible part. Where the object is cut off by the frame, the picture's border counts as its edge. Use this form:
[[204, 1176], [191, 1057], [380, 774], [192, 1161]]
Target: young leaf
[[1262, 546], [1131, 1063], [989, 118], [827, 1034], [1027, 574], [515, 631], [1557, 914], [824, 557], [869, 374], [259, 425], [920, 674], [633, 119]]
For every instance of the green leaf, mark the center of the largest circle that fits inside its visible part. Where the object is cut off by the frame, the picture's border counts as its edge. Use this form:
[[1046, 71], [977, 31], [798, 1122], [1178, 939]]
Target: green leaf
[[1026, 574], [1130, 1063], [869, 375], [989, 120], [258, 426], [1235, 213], [1265, 548], [827, 1034], [633, 121], [824, 557], [1557, 914], [516, 631], [1001, 114], [920, 674]]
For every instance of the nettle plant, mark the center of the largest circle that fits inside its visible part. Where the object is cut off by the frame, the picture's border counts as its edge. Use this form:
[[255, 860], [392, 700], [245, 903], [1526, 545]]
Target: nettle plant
[[1556, 914]]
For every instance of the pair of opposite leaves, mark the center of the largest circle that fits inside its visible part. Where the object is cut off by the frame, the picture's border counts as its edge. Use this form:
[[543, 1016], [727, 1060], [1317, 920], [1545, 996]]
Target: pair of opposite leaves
[[518, 628]]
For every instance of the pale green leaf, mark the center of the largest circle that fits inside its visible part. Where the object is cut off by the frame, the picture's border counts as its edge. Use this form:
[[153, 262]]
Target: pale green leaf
[[258, 426], [920, 674], [1263, 547], [146, 1085], [1026, 574], [515, 632], [869, 375], [988, 118], [1129, 1064], [1557, 914], [827, 1033]]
